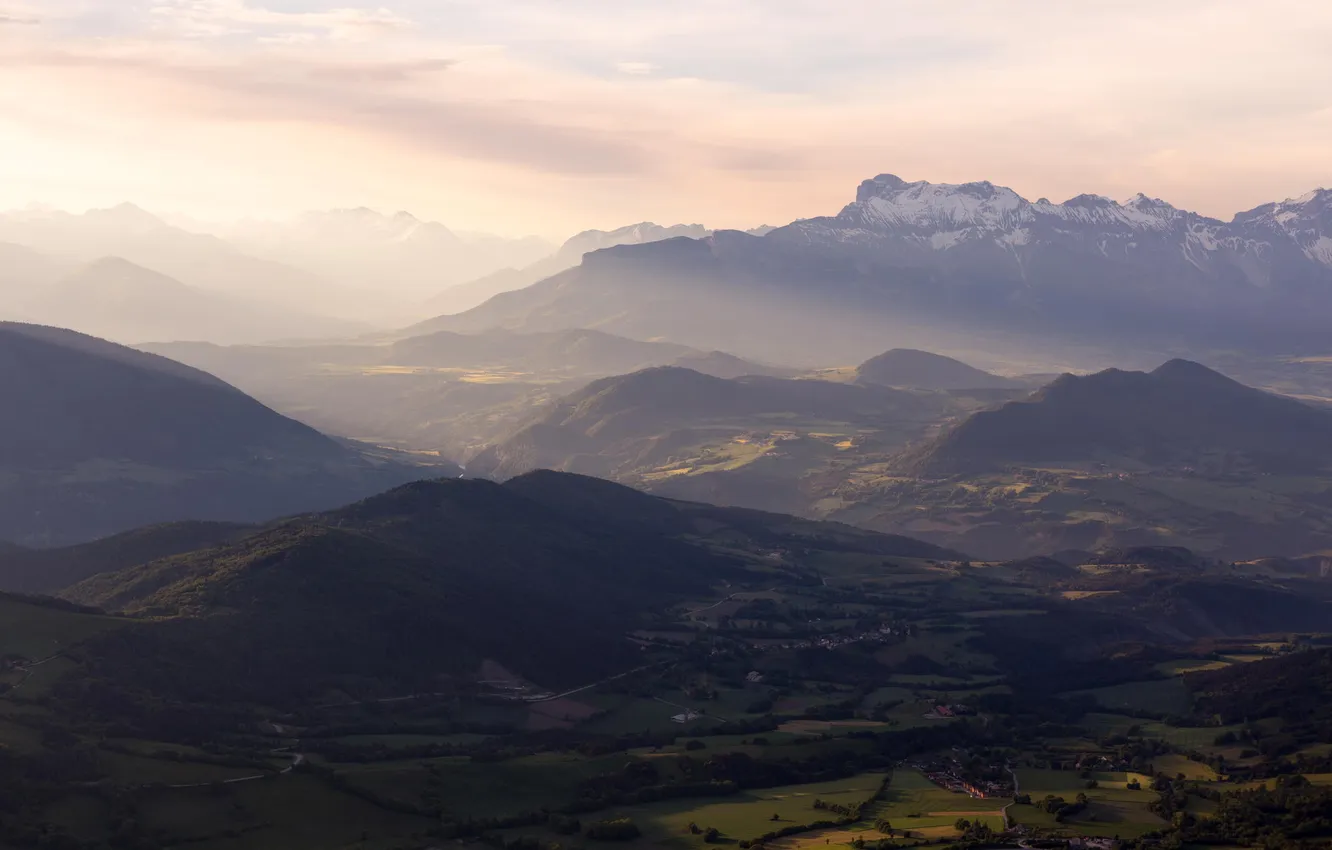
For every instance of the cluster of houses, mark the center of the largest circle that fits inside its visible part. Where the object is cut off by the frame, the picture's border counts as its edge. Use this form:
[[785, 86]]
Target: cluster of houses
[[882, 634], [950, 778], [948, 712]]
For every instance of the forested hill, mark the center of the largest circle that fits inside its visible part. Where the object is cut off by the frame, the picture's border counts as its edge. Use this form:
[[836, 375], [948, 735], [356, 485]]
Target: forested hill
[[411, 589], [1295, 687], [1181, 414]]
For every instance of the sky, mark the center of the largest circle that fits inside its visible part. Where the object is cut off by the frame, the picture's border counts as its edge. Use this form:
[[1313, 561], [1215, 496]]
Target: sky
[[552, 116]]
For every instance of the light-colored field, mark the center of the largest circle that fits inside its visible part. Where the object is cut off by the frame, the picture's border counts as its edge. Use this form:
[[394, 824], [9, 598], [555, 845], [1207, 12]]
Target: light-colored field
[[1173, 765], [748, 815], [1181, 666], [1087, 594]]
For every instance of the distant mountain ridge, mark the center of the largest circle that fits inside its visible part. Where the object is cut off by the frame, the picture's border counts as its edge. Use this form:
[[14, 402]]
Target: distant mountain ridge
[[360, 248], [1181, 414], [119, 300], [570, 254], [891, 213], [314, 306], [935, 264]]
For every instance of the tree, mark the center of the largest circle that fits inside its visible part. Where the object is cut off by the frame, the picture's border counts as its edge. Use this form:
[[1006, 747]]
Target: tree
[[963, 825]]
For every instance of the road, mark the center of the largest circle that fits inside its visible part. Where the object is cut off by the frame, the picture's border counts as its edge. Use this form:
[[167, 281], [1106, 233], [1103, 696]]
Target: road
[[297, 759], [1016, 790], [553, 697], [697, 611], [27, 671]]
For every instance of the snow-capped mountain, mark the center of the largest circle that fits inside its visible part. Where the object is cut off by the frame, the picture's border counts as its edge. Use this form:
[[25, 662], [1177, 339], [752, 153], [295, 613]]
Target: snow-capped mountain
[[906, 263], [940, 224]]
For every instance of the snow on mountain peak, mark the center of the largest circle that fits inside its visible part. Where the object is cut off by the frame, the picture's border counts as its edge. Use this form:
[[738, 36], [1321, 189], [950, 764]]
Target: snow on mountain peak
[[1308, 198], [887, 200], [949, 214]]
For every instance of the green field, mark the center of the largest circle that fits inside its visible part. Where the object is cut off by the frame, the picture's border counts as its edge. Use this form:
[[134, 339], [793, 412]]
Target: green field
[[1173, 765], [483, 789], [295, 812], [135, 770], [747, 815], [914, 802], [1101, 725], [1165, 696], [1113, 810], [35, 632]]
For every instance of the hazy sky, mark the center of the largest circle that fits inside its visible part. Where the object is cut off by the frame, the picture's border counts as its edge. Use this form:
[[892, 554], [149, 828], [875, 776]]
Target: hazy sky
[[549, 116]]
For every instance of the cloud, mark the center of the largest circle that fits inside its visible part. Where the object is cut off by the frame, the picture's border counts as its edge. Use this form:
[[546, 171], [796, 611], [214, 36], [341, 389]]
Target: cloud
[[18, 21], [388, 98], [637, 69], [216, 18], [738, 112]]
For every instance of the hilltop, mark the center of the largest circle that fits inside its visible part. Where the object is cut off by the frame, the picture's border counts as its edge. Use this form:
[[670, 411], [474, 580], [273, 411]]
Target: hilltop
[[907, 367], [1181, 414]]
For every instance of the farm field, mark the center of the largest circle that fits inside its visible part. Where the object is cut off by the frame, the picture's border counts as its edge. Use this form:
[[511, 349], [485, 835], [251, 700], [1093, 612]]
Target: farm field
[[747, 815], [913, 802], [1177, 765], [1113, 808]]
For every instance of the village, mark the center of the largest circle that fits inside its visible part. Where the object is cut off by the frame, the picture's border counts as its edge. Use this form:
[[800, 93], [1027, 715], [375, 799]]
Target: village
[[949, 774]]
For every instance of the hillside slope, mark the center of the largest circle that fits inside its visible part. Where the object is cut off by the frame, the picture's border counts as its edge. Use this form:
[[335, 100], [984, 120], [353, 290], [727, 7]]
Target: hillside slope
[[47, 571], [629, 423], [96, 438], [412, 589], [1181, 414]]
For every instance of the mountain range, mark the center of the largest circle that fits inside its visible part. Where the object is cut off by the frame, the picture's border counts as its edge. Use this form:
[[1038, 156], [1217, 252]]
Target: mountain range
[[944, 262], [119, 300], [96, 438], [195, 259], [362, 249]]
